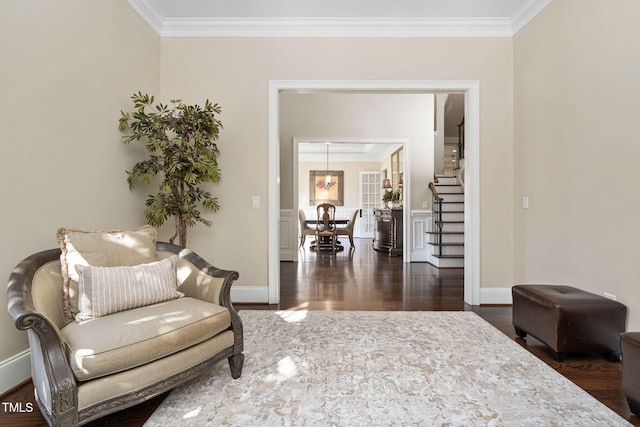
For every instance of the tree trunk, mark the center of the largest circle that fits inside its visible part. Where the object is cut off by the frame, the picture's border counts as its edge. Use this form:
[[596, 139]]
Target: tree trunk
[[182, 231]]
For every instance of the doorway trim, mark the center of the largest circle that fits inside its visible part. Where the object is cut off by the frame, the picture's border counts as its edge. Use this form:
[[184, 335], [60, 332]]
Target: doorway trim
[[471, 90]]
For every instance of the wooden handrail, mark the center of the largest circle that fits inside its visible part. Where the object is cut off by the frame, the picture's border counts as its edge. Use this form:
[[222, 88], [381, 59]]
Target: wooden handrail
[[461, 139], [432, 187]]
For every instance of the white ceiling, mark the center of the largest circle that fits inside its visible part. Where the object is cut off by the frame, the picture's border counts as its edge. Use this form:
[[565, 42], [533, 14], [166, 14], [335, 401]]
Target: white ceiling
[[345, 151], [361, 18]]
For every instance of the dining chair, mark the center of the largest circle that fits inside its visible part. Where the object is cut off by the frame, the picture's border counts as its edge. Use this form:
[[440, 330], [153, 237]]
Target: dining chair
[[326, 226], [305, 229], [347, 230]]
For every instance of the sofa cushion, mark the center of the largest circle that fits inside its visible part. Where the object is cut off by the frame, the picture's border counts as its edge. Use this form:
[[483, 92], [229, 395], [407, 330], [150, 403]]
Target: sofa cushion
[[106, 290], [131, 338], [101, 248]]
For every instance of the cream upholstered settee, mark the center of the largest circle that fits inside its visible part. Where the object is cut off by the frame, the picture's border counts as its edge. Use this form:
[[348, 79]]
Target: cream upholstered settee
[[100, 362]]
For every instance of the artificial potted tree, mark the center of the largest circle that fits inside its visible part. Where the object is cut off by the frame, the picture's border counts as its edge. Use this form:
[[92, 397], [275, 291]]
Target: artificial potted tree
[[181, 142]]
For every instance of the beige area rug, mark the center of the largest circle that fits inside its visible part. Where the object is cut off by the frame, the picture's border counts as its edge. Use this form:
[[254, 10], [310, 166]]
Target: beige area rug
[[318, 368]]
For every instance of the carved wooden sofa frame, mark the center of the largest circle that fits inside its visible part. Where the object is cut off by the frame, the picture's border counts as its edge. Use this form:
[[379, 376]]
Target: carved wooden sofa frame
[[56, 386]]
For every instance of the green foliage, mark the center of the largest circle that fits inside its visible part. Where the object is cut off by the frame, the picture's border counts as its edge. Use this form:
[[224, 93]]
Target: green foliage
[[180, 140], [391, 196]]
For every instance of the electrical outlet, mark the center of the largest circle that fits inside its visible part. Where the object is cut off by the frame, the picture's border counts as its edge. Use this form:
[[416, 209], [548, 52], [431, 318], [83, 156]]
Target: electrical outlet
[[255, 201], [424, 205]]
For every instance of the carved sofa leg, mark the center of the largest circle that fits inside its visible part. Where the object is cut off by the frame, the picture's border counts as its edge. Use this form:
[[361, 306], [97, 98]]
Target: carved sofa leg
[[235, 363]]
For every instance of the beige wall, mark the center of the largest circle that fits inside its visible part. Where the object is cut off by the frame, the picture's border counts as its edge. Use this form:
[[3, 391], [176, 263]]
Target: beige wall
[[576, 148], [571, 79], [357, 115], [235, 72], [68, 68], [351, 182]]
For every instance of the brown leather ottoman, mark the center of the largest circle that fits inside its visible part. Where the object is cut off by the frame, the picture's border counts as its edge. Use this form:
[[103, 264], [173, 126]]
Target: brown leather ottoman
[[631, 370], [569, 319]]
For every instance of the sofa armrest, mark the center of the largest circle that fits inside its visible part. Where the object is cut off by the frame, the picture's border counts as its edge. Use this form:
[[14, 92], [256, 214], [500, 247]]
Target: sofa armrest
[[199, 279], [54, 382], [206, 282]]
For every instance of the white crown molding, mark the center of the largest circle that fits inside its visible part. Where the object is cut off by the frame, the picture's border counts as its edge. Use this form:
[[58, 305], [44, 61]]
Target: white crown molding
[[149, 12], [529, 10], [337, 27]]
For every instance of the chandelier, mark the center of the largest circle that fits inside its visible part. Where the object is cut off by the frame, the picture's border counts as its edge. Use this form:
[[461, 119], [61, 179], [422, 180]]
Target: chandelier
[[327, 177]]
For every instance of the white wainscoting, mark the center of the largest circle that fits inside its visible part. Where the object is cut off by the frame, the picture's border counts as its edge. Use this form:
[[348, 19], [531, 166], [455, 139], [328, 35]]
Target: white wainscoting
[[288, 234], [419, 221]]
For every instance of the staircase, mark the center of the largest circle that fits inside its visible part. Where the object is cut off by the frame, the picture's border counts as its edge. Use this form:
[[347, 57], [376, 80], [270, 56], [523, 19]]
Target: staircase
[[446, 234]]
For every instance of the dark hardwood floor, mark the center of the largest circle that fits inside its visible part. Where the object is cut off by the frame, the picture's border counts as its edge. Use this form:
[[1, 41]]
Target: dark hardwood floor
[[367, 280]]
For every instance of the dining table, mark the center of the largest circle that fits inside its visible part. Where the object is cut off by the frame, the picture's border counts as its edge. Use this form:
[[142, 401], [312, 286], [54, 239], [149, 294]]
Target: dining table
[[312, 223]]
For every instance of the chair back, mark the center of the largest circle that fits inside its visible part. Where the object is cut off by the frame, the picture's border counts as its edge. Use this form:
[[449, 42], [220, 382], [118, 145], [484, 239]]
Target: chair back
[[326, 217], [352, 219], [302, 218]]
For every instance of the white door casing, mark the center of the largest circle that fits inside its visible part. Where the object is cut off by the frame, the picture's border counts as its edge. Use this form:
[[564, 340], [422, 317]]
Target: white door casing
[[471, 89]]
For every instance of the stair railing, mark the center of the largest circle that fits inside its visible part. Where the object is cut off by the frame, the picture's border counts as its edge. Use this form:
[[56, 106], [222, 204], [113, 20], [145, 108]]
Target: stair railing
[[461, 140], [437, 217]]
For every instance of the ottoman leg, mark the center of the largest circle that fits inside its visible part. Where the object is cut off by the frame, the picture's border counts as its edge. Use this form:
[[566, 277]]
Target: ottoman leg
[[634, 406], [615, 356], [560, 356], [520, 332]]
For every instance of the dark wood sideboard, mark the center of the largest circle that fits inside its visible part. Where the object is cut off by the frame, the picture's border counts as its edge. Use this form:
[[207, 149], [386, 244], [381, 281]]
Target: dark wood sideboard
[[388, 236]]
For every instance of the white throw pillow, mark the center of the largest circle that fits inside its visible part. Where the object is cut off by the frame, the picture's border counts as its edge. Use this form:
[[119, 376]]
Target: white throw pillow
[[106, 290]]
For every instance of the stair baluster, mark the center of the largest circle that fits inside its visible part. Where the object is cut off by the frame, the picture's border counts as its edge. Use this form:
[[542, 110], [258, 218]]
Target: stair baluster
[[460, 141], [437, 216]]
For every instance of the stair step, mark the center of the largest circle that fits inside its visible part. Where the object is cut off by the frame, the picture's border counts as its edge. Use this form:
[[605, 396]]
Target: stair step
[[457, 207], [448, 226], [452, 197], [449, 188], [447, 238], [444, 180], [451, 226], [452, 206], [447, 262], [452, 216]]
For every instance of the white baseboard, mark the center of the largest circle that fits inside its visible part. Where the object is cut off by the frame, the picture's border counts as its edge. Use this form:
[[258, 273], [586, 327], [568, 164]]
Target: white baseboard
[[260, 294], [15, 370], [250, 294], [495, 296]]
